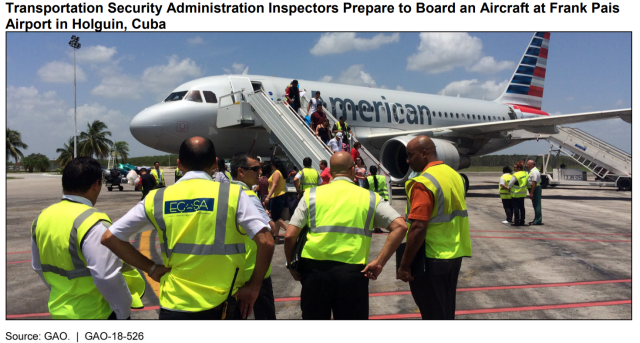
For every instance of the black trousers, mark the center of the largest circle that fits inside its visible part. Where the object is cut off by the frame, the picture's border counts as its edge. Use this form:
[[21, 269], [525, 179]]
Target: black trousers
[[518, 210], [144, 194], [265, 307], [435, 291], [329, 286], [508, 209], [211, 314]]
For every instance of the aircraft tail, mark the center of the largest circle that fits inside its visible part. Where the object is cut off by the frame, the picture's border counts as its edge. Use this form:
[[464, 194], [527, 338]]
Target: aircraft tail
[[527, 83]]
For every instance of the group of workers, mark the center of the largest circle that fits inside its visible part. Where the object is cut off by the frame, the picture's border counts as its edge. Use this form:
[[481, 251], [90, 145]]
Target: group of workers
[[217, 248], [513, 188]]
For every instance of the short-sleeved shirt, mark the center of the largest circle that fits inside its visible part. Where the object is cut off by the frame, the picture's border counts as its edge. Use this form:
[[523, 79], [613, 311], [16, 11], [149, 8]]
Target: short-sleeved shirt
[[335, 145], [314, 104], [534, 175], [422, 199], [325, 175], [317, 118]]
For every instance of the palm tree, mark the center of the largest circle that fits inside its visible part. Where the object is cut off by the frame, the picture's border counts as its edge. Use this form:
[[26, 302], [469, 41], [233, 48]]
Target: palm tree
[[36, 161], [66, 153], [94, 140], [14, 144], [121, 148]]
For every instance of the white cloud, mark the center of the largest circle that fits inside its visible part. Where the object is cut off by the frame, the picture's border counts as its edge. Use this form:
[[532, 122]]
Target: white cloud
[[94, 54], [487, 90], [236, 68], [197, 40], [118, 86], [400, 88], [440, 52], [87, 113], [60, 72], [356, 76], [161, 79], [619, 103], [326, 78], [488, 65], [341, 42]]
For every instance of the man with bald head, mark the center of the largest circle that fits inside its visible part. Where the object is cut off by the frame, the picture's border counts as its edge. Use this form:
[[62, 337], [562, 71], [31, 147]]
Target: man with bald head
[[201, 225], [335, 268], [438, 231], [535, 191]]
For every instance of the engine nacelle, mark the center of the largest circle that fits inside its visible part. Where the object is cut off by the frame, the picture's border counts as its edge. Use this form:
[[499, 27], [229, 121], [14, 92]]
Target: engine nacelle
[[393, 155]]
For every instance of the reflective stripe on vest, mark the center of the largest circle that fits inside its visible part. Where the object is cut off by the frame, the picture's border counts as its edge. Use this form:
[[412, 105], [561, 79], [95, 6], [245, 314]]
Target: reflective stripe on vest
[[308, 181], [200, 241], [448, 229], [160, 179], [340, 230], [178, 172], [346, 126], [505, 193], [519, 188], [382, 185], [250, 245]]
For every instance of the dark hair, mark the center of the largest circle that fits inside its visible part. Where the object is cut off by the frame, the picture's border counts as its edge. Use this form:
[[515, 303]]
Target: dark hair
[[306, 162], [519, 165], [361, 159], [275, 162], [266, 170], [294, 82], [357, 144], [221, 165], [506, 170], [240, 160], [197, 156], [154, 163], [317, 92], [79, 174], [341, 118], [319, 104], [324, 162], [374, 171]]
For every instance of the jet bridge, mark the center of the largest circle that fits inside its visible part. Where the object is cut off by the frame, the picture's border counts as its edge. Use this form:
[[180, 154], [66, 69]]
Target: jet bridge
[[610, 165]]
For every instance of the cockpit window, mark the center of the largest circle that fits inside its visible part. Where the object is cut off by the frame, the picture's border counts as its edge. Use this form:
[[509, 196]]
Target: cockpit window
[[193, 96], [175, 96], [209, 97]]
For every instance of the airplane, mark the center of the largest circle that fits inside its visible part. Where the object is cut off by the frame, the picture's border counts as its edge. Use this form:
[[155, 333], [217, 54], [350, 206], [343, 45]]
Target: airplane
[[383, 120]]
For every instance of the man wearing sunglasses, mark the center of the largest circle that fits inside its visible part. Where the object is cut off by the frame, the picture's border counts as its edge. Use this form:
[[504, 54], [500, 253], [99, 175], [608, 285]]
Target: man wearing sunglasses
[[244, 171]]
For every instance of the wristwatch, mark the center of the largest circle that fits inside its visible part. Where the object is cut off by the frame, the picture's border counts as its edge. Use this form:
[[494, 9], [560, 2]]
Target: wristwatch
[[288, 265]]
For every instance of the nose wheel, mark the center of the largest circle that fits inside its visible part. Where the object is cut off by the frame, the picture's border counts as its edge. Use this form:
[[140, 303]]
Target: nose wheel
[[465, 180]]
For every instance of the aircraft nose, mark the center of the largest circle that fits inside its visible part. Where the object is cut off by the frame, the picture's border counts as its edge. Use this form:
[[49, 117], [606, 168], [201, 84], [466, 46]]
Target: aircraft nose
[[146, 127]]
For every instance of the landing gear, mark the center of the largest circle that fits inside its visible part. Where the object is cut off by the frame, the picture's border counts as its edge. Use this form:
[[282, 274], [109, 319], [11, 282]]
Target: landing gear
[[624, 184], [465, 180]]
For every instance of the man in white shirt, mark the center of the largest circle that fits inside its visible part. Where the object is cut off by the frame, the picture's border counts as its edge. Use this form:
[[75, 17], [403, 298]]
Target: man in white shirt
[[335, 144], [74, 220], [535, 191], [313, 103]]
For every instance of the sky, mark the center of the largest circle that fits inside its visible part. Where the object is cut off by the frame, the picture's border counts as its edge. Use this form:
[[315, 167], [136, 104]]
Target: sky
[[120, 74]]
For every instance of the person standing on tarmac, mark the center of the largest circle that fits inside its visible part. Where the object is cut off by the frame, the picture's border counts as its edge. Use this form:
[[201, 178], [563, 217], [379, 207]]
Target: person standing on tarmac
[[148, 182], [335, 270], [518, 190], [307, 177], [178, 174], [438, 227], [84, 277], [245, 169], [505, 194], [201, 226], [377, 183], [535, 191], [158, 174]]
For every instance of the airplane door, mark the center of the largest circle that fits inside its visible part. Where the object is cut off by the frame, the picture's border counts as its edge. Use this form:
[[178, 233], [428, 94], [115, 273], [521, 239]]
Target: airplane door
[[241, 84]]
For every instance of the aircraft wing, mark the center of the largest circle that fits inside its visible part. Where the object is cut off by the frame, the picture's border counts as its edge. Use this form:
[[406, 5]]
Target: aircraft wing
[[541, 124]]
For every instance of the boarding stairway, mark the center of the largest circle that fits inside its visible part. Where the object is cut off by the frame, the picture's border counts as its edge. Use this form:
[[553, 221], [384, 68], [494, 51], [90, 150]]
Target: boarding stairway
[[604, 160]]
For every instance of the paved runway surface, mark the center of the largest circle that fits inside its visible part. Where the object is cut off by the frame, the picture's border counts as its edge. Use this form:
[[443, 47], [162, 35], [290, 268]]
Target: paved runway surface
[[576, 266]]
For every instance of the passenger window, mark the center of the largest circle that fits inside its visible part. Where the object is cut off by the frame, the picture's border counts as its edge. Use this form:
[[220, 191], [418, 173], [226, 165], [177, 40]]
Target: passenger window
[[445, 114], [394, 109], [440, 114], [340, 106], [348, 107], [484, 118], [193, 96], [457, 116], [474, 117], [468, 116], [402, 110], [210, 97]]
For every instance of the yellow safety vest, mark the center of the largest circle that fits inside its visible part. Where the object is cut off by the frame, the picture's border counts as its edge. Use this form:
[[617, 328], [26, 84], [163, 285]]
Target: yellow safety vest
[[159, 180], [340, 129], [310, 179], [58, 232], [504, 193], [178, 172], [228, 175], [448, 231], [200, 241], [251, 246], [519, 189], [340, 226], [382, 186]]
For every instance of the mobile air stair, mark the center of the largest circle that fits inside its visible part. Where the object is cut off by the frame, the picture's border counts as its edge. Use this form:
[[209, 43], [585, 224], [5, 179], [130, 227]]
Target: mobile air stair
[[610, 165]]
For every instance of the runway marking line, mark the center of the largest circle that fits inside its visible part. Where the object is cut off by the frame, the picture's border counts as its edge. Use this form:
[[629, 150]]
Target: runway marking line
[[558, 239], [556, 233], [510, 309], [14, 262]]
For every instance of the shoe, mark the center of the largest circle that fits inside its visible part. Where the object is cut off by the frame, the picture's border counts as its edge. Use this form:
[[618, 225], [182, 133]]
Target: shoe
[[515, 224], [505, 222], [530, 223], [377, 230], [536, 224]]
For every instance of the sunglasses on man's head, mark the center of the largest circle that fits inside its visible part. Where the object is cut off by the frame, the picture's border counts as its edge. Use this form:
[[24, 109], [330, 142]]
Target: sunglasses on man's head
[[254, 169]]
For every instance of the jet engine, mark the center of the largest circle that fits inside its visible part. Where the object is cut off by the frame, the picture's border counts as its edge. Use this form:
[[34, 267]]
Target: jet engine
[[393, 155]]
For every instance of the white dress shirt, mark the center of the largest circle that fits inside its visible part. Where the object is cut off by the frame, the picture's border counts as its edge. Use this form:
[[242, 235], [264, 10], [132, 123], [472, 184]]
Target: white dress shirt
[[103, 264], [136, 220]]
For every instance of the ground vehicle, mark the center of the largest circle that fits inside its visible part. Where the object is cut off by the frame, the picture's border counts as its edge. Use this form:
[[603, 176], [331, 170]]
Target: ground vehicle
[[113, 178]]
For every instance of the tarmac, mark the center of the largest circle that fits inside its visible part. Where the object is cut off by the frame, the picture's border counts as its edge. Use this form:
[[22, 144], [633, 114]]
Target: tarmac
[[575, 266]]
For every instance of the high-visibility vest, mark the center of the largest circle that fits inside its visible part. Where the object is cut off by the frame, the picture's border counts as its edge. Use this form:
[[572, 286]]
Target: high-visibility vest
[[58, 232], [310, 179], [340, 227], [251, 246], [159, 180], [228, 175], [200, 241], [178, 172], [448, 231], [519, 189], [505, 193], [382, 186], [340, 129]]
